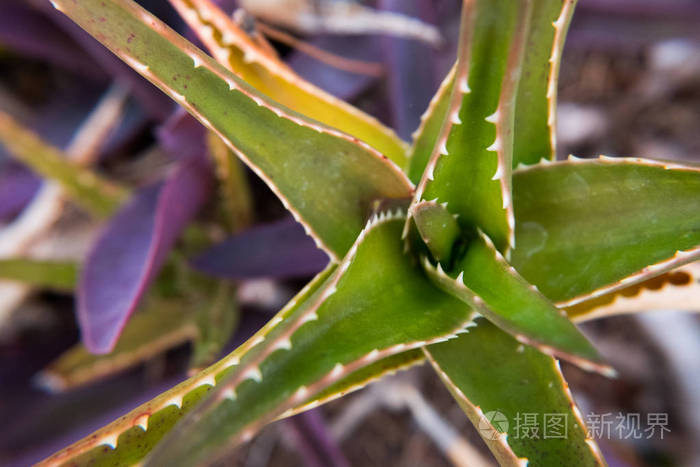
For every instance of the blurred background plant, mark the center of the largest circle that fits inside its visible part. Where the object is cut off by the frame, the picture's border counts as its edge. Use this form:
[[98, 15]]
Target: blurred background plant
[[629, 85]]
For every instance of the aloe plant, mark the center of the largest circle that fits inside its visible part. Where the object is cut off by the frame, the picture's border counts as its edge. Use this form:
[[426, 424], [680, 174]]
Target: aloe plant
[[472, 248]]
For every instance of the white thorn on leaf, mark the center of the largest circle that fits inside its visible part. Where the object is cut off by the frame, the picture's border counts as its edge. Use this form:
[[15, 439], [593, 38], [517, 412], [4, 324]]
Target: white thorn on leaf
[[253, 373], [283, 344], [233, 361], [440, 270], [275, 321], [229, 393], [207, 380], [175, 400], [493, 118], [309, 317], [337, 370], [506, 204], [499, 173], [135, 64], [180, 98], [148, 18], [302, 392], [496, 146], [142, 422], [110, 440]]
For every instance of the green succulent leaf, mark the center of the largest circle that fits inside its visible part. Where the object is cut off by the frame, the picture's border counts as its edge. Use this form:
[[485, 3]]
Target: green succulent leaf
[[56, 275], [470, 166], [589, 227], [326, 178], [128, 439], [535, 102], [483, 279], [535, 109], [237, 51], [160, 326], [352, 324], [514, 382], [97, 195], [377, 304], [437, 227]]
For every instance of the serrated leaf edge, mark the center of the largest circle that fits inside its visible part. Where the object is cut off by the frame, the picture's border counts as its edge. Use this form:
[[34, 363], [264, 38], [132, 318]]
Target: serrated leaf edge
[[481, 307], [339, 371], [204, 11], [497, 439], [680, 258], [602, 159], [352, 388], [109, 434], [561, 26], [477, 415], [459, 89], [590, 442], [200, 59], [502, 118]]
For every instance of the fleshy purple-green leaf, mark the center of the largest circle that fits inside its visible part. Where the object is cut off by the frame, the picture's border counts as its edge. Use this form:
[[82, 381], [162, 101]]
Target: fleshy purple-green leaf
[[132, 248], [280, 250]]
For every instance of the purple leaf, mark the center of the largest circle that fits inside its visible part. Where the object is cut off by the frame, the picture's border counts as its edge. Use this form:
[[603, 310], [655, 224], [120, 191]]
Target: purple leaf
[[157, 104], [281, 250], [17, 187], [412, 68], [130, 251], [25, 30], [181, 135]]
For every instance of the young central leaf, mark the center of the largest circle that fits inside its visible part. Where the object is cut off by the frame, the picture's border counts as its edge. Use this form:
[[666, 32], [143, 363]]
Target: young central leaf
[[437, 227], [470, 167]]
